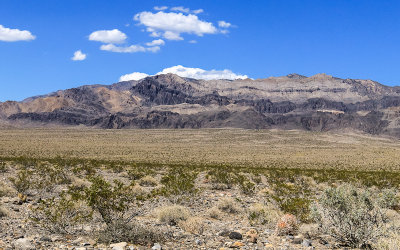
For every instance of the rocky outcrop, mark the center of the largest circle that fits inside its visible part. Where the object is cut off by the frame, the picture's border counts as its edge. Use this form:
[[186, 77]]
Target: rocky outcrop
[[317, 103]]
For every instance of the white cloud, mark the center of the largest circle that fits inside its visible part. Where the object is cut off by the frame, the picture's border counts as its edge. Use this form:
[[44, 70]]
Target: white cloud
[[78, 56], [13, 35], [127, 49], [170, 35], [198, 11], [224, 24], [108, 36], [196, 73], [134, 76], [160, 8], [172, 25], [157, 42], [192, 41], [181, 9]]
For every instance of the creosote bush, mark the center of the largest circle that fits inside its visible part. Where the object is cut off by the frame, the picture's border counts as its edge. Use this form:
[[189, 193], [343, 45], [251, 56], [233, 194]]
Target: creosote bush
[[178, 181], [23, 181], [61, 215], [350, 215], [109, 200]]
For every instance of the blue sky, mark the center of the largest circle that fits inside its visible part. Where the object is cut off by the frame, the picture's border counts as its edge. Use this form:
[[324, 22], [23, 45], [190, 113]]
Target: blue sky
[[348, 39]]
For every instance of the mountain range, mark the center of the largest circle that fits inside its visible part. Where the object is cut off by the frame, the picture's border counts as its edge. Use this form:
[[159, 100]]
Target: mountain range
[[317, 103]]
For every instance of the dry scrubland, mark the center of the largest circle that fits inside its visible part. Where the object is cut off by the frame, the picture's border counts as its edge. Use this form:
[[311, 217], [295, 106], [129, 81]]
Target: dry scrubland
[[205, 189], [247, 148]]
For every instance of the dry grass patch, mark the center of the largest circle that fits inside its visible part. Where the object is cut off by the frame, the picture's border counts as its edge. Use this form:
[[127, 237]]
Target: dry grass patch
[[172, 215], [194, 225], [228, 205]]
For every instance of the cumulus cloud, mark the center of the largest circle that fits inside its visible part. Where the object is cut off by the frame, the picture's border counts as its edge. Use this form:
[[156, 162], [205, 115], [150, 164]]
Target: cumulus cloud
[[192, 41], [134, 76], [171, 25], [224, 24], [14, 35], [78, 56], [108, 36], [196, 73], [157, 42], [128, 49]]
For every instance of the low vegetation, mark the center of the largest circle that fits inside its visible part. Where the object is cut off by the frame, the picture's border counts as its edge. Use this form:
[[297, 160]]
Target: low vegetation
[[151, 201]]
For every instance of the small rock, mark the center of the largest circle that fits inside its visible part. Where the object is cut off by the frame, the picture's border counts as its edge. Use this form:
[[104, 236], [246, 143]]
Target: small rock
[[198, 242], [297, 240], [80, 248], [237, 244], [23, 243], [119, 246], [156, 246], [45, 238], [235, 236], [224, 233], [306, 243]]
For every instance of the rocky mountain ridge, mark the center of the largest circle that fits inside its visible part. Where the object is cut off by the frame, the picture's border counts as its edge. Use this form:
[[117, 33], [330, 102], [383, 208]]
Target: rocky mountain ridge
[[320, 102]]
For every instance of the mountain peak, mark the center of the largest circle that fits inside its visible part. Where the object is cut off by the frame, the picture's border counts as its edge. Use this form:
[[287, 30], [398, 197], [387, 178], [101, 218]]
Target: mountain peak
[[295, 76]]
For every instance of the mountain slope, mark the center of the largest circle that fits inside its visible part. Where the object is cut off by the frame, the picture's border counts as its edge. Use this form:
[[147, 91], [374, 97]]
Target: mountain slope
[[320, 102]]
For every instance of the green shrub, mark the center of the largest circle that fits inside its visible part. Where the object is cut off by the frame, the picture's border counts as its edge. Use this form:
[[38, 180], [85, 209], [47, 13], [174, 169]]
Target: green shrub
[[352, 216], [23, 181], [178, 181], [110, 201], [60, 215]]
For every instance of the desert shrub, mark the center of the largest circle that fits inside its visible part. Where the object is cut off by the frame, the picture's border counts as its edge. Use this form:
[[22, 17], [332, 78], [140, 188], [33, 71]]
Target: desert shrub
[[122, 231], [287, 225], [3, 212], [23, 181], [109, 200], [178, 181], [260, 214], [60, 215], [148, 181], [46, 176], [5, 190], [224, 177], [390, 242], [136, 173], [228, 205], [3, 167], [173, 214], [194, 225], [351, 216], [292, 195], [214, 213], [388, 198]]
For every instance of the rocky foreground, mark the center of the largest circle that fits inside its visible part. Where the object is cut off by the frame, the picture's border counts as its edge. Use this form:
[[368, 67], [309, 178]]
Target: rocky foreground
[[78, 204]]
